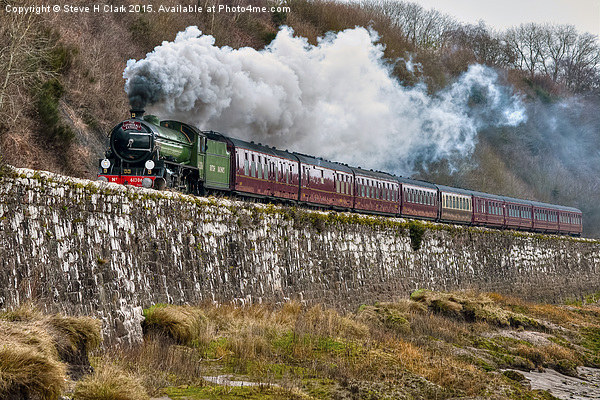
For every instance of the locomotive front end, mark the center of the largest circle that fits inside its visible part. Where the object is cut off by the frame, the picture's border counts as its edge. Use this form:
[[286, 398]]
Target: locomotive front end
[[132, 141], [147, 152], [130, 160]]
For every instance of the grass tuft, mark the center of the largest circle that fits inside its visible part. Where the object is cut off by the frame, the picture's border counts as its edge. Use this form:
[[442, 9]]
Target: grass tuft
[[183, 324], [474, 307], [29, 361], [110, 383]]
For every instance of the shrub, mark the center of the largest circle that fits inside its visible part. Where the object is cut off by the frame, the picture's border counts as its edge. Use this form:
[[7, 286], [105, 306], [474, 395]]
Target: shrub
[[48, 96], [416, 231]]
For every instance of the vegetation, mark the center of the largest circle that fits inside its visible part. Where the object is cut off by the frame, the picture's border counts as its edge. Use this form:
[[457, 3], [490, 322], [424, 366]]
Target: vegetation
[[432, 345], [110, 383], [36, 348]]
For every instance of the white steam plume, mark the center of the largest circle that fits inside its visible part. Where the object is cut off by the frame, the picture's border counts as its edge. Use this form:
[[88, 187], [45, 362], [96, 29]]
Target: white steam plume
[[336, 100]]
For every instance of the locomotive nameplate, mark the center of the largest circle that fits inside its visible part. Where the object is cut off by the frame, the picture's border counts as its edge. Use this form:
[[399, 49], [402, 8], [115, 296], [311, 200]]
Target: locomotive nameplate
[[131, 126]]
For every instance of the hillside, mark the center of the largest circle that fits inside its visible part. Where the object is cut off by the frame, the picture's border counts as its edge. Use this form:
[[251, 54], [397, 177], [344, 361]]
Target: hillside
[[62, 90]]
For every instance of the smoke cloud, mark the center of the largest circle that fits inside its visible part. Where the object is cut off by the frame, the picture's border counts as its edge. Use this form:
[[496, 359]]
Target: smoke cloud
[[337, 100]]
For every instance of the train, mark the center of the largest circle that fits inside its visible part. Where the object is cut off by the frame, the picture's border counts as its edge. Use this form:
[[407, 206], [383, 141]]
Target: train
[[167, 154]]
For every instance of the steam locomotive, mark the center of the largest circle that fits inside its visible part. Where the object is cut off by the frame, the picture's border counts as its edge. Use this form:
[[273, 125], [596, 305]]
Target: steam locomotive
[[147, 152]]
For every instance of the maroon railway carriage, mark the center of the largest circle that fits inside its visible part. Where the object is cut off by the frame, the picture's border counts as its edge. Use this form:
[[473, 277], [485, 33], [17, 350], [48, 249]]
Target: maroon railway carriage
[[556, 219], [325, 183], [456, 205], [518, 213], [569, 220], [418, 199], [263, 171], [545, 217], [488, 209], [376, 192]]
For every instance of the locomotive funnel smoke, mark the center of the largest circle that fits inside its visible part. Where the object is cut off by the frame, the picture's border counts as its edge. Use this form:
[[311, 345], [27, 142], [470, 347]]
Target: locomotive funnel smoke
[[143, 89], [337, 100]]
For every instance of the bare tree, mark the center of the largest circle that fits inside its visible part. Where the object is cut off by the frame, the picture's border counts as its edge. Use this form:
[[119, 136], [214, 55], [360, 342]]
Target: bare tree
[[557, 42], [526, 41], [486, 46], [580, 64], [558, 52], [423, 28], [23, 51]]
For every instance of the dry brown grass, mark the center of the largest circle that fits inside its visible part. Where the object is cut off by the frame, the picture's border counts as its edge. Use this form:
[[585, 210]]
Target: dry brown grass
[[110, 382], [368, 345], [29, 361], [183, 324], [439, 339], [75, 336], [36, 349], [582, 315]]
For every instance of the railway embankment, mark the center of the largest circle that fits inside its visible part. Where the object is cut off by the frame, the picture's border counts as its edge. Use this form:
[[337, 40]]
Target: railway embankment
[[92, 248]]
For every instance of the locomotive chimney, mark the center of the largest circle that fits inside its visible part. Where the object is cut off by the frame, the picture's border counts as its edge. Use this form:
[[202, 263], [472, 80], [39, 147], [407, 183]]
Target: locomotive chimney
[[136, 113]]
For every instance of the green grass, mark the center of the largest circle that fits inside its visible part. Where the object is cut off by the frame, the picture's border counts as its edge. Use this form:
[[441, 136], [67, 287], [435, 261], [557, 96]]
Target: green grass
[[232, 393]]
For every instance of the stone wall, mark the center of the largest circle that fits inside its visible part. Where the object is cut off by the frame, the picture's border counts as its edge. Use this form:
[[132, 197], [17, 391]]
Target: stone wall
[[99, 249]]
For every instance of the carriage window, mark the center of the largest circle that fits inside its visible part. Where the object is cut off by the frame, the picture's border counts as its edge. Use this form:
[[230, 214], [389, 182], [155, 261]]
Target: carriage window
[[246, 167], [322, 177], [260, 167]]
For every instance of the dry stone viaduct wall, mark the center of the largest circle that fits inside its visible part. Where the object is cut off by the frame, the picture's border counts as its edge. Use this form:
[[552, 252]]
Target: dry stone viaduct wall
[[93, 248]]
